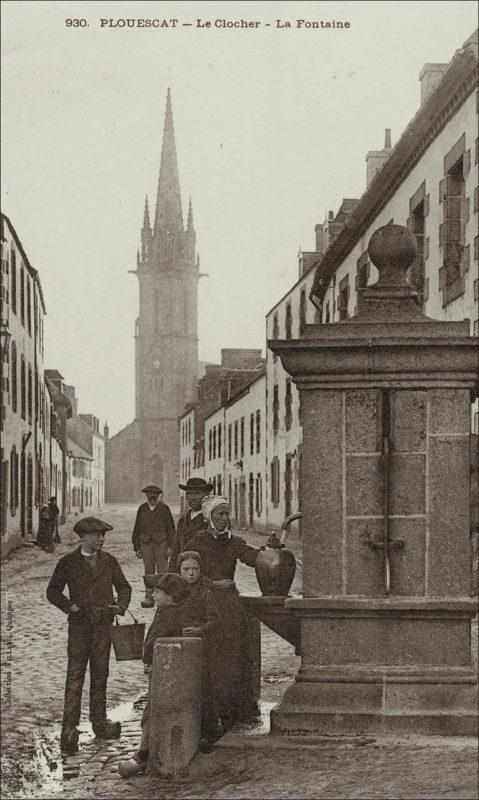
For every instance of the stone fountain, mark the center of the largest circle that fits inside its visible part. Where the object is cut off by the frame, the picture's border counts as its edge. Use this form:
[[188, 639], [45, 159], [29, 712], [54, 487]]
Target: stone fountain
[[385, 614]]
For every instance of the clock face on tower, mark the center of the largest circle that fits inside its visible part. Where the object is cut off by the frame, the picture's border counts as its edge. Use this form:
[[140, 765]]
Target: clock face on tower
[[156, 364]]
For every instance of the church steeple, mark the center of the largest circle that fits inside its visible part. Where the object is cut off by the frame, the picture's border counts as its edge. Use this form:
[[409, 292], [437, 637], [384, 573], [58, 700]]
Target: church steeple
[[190, 227], [168, 228], [146, 235]]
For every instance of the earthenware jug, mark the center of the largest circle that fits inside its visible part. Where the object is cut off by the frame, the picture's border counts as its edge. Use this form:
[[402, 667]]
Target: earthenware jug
[[275, 568]]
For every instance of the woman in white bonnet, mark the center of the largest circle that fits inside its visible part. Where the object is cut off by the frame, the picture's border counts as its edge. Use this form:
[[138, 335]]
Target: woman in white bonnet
[[220, 550]]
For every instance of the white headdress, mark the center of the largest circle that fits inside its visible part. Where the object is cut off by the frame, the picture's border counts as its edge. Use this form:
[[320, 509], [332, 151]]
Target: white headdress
[[208, 506]]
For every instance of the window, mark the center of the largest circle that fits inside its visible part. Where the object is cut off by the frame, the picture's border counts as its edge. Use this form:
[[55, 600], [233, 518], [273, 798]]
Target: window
[[288, 321], [327, 318], [210, 444], [29, 305], [13, 262], [259, 494], [22, 295], [13, 481], [37, 397], [416, 272], [219, 484], [258, 430], [30, 393], [288, 402], [242, 437], [251, 434], [343, 297], [236, 440], [14, 377], [275, 333], [23, 380], [302, 309], [229, 442], [362, 271], [220, 435], [214, 442], [452, 228], [275, 409], [274, 467], [229, 488]]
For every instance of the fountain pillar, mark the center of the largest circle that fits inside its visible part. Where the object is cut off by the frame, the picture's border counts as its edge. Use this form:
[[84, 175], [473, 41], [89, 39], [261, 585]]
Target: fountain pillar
[[386, 607]]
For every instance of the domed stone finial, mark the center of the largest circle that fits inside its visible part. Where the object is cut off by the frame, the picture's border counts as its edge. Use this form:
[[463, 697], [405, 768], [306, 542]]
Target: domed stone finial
[[392, 249]]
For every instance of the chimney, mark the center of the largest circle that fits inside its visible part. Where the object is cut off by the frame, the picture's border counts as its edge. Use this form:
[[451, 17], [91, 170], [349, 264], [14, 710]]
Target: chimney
[[376, 158], [429, 78], [318, 230], [106, 431]]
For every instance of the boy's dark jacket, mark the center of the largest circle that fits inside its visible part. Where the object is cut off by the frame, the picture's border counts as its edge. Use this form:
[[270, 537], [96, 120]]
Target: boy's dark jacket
[[92, 593], [166, 622]]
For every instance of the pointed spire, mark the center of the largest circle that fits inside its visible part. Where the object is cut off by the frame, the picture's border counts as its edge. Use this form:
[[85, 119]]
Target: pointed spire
[[168, 217], [146, 232], [190, 226], [146, 216]]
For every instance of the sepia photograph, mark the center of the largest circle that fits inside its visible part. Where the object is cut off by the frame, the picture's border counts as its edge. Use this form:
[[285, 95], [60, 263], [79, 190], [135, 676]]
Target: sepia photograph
[[239, 399]]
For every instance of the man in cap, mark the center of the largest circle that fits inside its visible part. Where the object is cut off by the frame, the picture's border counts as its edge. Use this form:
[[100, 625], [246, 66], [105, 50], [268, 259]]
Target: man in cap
[[191, 523], [90, 575], [153, 536]]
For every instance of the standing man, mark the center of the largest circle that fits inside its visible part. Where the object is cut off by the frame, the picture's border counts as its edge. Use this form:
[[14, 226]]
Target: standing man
[[54, 512], [153, 536], [192, 522], [90, 575]]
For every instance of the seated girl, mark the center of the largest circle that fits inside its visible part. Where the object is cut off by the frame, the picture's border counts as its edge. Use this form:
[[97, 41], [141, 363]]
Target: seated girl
[[201, 617], [168, 592]]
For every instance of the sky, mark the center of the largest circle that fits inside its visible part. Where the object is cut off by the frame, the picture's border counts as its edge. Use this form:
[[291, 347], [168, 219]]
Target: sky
[[272, 127]]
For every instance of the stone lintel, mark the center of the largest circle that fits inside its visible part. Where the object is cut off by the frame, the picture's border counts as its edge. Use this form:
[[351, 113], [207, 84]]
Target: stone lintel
[[345, 363], [351, 329], [380, 673], [351, 606]]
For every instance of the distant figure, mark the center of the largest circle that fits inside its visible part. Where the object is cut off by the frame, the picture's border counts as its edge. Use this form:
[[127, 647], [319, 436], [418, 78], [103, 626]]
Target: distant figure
[[153, 536], [191, 523], [54, 513], [90, 575], [45, 531]]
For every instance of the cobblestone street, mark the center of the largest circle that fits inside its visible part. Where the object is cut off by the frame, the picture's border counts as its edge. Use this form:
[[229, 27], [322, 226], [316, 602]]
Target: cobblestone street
[[245, 764], [34, 635]]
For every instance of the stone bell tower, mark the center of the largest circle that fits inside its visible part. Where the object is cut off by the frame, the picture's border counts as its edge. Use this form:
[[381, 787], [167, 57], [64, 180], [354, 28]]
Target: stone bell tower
[[166, 330], [386, 610]]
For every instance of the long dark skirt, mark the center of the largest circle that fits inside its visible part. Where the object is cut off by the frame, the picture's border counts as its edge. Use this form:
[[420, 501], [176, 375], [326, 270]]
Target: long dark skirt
[[45, 535], [230, 663]]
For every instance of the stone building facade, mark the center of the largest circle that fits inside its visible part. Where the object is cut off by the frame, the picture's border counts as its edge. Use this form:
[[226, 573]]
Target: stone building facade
[[24, 459], [235, 452], [215, 388], [166, 342], [427, 181]]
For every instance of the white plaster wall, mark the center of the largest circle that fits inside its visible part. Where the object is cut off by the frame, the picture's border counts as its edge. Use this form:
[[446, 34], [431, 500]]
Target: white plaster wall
[[430, 169]]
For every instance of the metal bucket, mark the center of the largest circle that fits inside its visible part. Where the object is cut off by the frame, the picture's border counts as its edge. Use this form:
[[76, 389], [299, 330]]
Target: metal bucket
[[127, 639]]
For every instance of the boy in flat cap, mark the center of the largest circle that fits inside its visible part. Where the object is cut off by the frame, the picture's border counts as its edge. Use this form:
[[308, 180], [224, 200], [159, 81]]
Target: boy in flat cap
[[191, 523], [168, 592], [90, 576], [153, 536]]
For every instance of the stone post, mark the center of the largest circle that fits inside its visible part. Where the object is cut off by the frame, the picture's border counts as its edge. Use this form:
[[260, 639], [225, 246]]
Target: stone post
[[385, 613], [254, 626], [175, 705]]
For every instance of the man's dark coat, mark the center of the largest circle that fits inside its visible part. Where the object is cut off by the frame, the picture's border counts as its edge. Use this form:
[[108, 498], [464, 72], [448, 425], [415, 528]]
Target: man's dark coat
[[92, 593], [153, 526], [187, 528]]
